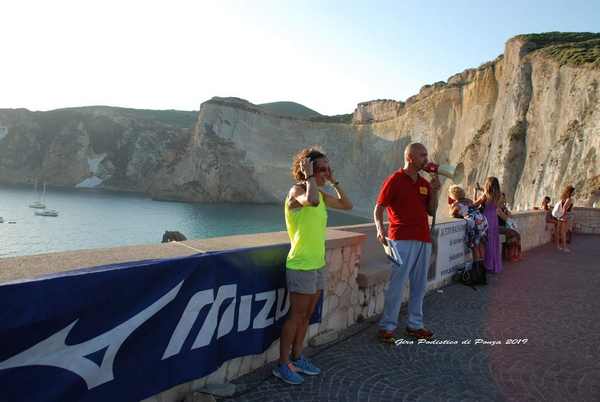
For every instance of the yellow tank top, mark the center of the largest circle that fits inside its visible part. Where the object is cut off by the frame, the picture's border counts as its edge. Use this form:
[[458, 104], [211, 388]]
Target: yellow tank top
[[306, 227]]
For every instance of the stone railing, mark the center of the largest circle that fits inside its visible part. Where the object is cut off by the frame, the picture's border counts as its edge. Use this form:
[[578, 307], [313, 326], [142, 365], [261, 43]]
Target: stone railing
[[340, 306], [358, 273], [343, 251], [587, 220], [533, 228], [358, 276]]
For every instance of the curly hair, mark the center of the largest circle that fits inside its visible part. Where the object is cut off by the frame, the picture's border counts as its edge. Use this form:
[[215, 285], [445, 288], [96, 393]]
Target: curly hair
[[456, 192], [567, 192], [312, 153]]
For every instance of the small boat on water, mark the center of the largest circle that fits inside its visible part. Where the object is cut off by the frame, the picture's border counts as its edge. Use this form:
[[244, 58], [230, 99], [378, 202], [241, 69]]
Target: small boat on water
[[39, 204], [47, 212], [1, 220]]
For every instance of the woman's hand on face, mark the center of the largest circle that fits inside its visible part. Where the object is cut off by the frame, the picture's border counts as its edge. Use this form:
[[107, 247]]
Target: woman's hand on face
[[306, 167]]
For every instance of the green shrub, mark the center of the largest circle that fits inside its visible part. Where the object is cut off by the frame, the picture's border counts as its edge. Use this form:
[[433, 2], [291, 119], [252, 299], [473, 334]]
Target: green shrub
[[338, 118], [568, 48]]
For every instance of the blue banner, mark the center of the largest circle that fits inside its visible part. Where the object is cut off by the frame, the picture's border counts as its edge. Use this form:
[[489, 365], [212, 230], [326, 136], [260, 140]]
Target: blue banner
[[126, 332]]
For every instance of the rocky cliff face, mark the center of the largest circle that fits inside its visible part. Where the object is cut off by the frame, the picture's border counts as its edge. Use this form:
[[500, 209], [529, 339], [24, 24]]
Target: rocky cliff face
[[525, 118], [238, 153], [374, 111], [531, 117], [103, 147]]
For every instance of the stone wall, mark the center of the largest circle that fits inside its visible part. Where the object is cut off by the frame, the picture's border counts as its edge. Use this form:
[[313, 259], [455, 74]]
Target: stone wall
[[533, 229], [358, 274], [339, 311], [587, 220], [358, 277]]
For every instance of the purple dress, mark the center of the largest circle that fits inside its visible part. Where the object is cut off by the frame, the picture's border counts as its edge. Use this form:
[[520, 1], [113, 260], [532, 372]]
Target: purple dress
[[493, 255]]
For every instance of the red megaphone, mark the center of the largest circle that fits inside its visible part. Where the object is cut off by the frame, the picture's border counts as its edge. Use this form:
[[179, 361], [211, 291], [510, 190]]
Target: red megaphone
[[431, 167]]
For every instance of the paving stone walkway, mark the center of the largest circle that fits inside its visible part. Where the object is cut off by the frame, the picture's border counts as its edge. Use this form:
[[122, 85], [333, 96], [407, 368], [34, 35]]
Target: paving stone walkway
[[551, 299]]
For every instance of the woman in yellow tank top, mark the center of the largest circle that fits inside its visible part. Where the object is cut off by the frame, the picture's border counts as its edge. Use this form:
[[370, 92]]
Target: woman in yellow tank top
[[306, 222]]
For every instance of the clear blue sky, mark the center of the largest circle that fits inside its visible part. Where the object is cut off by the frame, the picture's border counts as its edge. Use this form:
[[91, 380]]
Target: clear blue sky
[[326, 55]]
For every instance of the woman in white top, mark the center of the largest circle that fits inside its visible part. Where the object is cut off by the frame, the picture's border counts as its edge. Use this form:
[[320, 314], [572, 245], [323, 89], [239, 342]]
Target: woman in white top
[[564, 219]]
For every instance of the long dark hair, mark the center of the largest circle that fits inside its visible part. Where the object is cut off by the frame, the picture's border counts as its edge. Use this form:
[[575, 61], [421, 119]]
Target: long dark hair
[[491, 189]]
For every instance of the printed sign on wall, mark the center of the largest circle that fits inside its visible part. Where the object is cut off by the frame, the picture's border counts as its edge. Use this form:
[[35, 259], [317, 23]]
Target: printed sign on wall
[[451, 253]]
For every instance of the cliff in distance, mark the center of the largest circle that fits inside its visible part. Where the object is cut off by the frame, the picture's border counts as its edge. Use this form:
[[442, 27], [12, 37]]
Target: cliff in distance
[[97, 146], [531, 117]]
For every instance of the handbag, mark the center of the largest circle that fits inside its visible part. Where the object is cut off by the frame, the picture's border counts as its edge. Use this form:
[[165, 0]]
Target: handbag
[[558, 210]]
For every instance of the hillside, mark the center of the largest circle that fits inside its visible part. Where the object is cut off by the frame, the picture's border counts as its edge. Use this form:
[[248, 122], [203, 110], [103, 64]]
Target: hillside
[[531, 117], [289, 109]]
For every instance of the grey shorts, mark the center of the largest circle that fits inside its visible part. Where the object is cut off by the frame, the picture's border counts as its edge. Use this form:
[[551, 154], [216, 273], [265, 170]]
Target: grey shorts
[[306, 282]]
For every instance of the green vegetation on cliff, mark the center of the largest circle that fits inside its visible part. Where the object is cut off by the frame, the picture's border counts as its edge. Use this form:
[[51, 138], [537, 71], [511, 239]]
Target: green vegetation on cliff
[[338, 118], [289, 109], [298, 111], [568, 48]]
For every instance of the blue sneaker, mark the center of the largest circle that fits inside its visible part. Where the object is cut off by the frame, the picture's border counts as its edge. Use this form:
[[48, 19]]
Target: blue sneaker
[[304, 366], [287, 373]]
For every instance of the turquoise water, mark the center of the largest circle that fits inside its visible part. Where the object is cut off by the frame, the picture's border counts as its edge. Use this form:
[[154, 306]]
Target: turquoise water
[[92, 219]]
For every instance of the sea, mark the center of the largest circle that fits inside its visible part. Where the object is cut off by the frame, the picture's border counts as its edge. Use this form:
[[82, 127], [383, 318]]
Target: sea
[[95, 219]]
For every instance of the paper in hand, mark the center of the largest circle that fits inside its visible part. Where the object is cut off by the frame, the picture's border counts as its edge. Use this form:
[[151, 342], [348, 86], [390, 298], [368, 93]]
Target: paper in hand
[[391, 254]]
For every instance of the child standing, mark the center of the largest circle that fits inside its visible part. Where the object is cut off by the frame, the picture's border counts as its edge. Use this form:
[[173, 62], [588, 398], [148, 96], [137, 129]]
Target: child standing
[[476, 228]]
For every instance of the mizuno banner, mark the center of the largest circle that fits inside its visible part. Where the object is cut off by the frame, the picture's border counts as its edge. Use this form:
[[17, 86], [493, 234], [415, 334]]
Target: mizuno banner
[[126, 332]]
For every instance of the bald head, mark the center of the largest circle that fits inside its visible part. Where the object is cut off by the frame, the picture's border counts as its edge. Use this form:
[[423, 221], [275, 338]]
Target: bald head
[[413, 150]]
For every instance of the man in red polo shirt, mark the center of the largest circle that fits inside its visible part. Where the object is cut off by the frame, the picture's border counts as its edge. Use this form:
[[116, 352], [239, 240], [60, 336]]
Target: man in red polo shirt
[[408, 200]]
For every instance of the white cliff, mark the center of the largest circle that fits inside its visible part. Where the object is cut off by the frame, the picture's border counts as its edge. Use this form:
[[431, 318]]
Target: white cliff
[[531, 117]]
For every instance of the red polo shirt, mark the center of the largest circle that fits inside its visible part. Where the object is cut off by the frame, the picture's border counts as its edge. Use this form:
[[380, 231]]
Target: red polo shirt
[[406, 206]]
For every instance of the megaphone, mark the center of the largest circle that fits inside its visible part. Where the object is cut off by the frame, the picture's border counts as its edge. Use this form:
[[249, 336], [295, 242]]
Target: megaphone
[[454, 173]]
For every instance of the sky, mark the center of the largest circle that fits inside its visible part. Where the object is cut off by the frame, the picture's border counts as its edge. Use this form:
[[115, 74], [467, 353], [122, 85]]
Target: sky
[[326, 55]]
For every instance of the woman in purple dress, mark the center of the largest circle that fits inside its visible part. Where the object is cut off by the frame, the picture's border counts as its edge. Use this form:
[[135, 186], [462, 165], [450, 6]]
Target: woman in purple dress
[[489, 202]]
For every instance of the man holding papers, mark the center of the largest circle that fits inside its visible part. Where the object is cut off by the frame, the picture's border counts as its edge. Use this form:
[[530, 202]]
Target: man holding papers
[[408, 200]]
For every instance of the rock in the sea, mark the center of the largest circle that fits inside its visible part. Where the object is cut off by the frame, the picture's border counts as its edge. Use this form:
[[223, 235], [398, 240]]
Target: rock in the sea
[[173, 236]]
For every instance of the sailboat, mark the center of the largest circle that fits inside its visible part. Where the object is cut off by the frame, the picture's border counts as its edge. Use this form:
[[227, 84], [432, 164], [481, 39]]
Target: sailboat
[[39, 204], [45, 212]]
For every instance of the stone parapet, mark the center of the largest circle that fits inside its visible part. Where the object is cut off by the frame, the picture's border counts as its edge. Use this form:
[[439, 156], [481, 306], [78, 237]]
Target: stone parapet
[[343, 250], [587, 220], [358, 274], [339, 311], [532, 228]]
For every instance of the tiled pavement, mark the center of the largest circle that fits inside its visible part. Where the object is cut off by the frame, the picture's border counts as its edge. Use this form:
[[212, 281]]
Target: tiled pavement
[[550, 298]]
